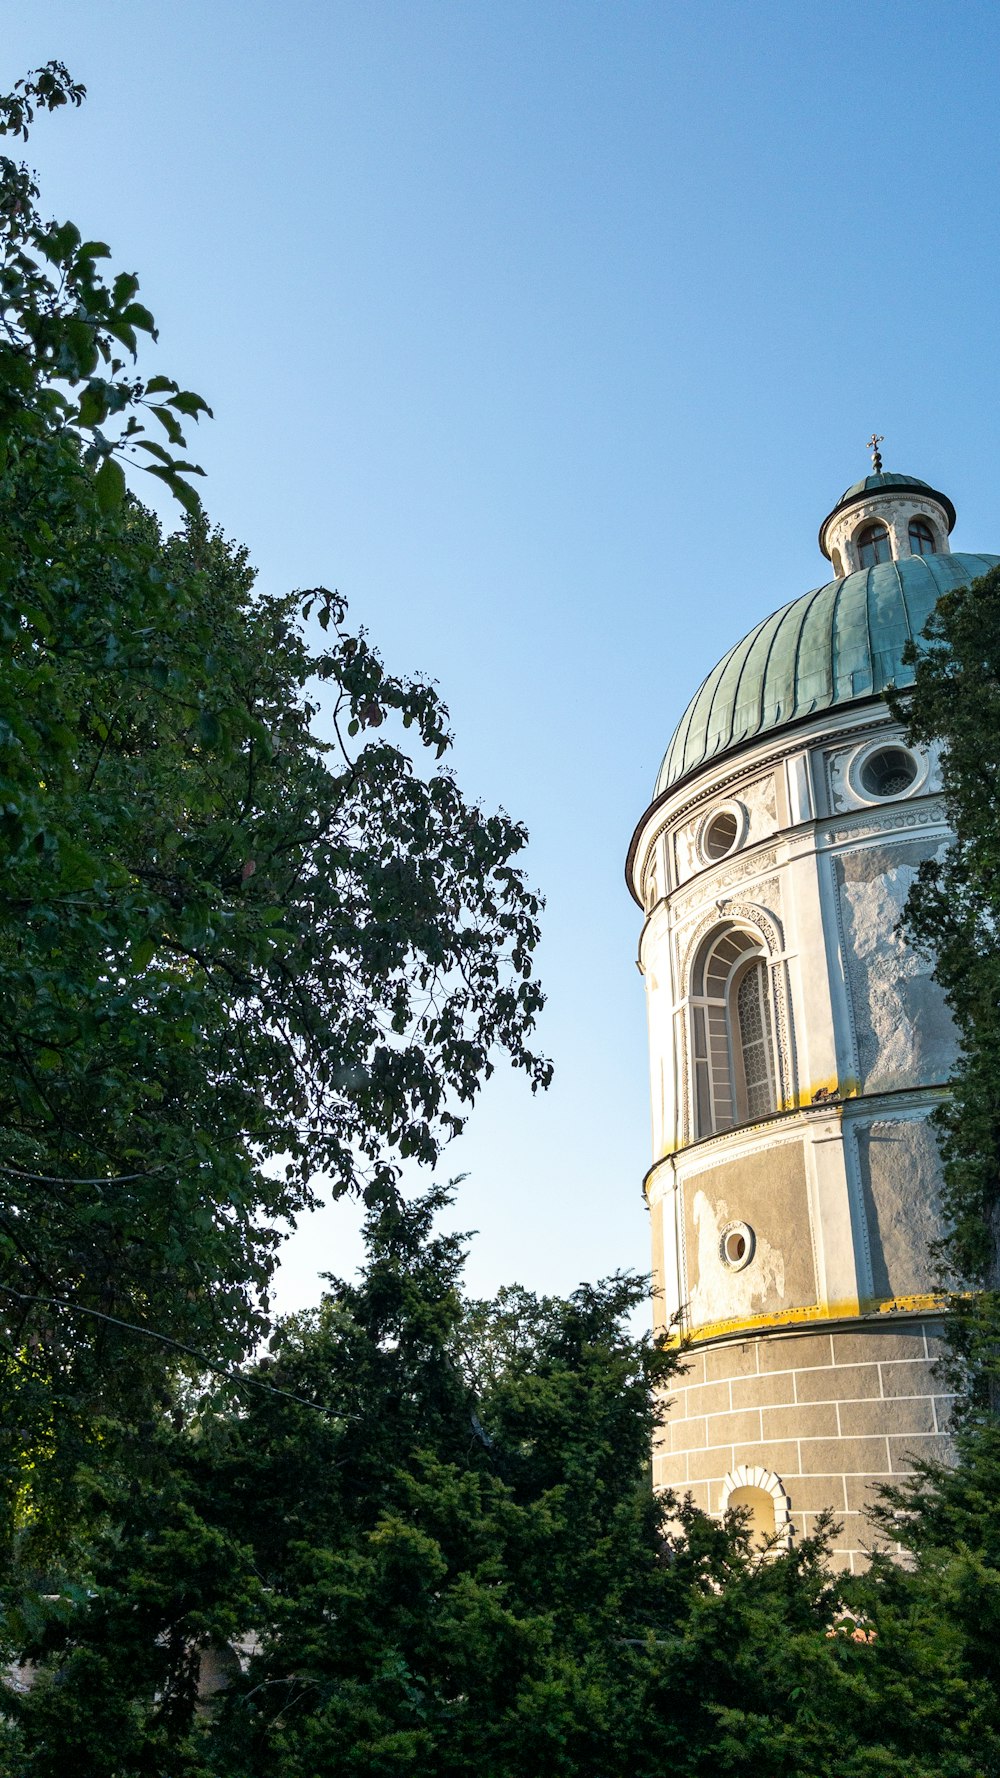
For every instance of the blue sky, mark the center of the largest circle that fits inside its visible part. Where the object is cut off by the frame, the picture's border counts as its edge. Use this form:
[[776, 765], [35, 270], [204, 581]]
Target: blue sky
[[549, 333]]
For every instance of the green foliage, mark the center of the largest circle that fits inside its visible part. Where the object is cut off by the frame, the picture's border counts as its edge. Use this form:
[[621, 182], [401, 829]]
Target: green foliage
[[64, 391], [246, 943], [438, 1552], [953, 915]]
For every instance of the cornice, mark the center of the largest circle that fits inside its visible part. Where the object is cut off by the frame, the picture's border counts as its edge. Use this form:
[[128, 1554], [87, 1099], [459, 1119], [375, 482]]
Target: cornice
[[768, 756]]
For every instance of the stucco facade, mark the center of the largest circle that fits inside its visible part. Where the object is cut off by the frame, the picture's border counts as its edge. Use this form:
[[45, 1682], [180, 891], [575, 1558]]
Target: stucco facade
[[797, 1046]]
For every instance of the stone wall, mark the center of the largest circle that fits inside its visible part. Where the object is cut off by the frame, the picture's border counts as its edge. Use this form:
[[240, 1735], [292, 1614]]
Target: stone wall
[[832, 1415]]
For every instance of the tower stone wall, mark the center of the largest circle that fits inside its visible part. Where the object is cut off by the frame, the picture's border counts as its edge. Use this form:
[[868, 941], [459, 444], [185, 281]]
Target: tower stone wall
[[797, 1049]]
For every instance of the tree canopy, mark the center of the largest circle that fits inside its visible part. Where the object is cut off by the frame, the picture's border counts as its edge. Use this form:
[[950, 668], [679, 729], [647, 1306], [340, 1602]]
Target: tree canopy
[[251, 949], [953, 916]]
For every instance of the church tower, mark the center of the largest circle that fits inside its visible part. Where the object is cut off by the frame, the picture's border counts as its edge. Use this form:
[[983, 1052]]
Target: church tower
[[797, 1044]]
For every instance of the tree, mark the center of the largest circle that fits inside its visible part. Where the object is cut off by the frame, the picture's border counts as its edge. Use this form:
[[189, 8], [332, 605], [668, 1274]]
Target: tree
[[433, 1536], [246, 941], [953, 915]]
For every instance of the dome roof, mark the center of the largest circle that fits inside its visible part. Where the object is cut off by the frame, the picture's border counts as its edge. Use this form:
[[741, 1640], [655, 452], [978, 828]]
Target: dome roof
[[874, 484], [831, 647]]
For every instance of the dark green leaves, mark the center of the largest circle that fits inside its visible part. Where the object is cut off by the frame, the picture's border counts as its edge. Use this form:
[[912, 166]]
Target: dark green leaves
[[110, 485]]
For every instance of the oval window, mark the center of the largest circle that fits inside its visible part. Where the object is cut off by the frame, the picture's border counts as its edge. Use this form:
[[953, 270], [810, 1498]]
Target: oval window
[[737, 1245], [720, 834], [889, 771]]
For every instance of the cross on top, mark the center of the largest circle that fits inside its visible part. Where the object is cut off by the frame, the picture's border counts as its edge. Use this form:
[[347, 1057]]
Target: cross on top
[[873, 444]]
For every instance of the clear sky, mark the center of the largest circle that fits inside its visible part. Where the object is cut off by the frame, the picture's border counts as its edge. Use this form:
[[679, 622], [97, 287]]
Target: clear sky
[[548, 331]]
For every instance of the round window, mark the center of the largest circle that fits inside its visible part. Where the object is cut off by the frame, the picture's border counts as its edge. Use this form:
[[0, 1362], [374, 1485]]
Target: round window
[[889, 771], [721, 833], [737, 1245]]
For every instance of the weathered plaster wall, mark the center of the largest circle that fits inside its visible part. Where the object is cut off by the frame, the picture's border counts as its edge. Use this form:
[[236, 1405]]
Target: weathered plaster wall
[[767, 1190], [900, 1181], [902, 1029]]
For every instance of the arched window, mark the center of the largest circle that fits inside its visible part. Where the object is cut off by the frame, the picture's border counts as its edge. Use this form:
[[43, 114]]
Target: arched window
[[922, 538], [732, 1033], [761, 1495], [838, 566], [759, 1507], [873, 545]]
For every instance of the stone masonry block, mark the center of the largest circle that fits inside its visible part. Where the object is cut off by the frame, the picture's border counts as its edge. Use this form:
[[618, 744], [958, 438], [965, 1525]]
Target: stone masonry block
[[781, 1353], [862, 1491], [732, 1429], [691, 1369], [706, 1466], [715, 1491], [811, 1421], [855, 1382], [900, 1415], [699, 1493], [904, 1451], [708, 1398], [731, 1361], [688, 1435], [909, 1379], [669, 1472], [767, 1391], [853, 1456], [851, 1533], [879, 1343], [781, 1456], [811, 1493], [944, 1410]]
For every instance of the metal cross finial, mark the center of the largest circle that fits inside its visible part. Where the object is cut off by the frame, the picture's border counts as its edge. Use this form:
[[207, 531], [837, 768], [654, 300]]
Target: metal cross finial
[[873, 444]]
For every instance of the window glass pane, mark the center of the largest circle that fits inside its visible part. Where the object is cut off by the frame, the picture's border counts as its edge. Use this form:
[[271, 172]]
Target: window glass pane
[[754, 1017], [873, 546], [922, 538]]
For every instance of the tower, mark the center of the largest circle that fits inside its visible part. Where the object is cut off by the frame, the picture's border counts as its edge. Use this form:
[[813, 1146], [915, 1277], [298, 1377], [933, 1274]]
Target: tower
[[797, 1044]]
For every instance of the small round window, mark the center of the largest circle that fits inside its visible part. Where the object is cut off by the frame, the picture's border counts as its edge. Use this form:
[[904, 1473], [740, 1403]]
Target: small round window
[[737, 1245], [889, 771], [722, 832]]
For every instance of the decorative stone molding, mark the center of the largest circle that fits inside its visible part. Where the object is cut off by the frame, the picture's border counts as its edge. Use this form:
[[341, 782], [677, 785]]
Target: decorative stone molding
[[753, 1476], [710, 884], [866, 823], [728, 785], [769, 928]]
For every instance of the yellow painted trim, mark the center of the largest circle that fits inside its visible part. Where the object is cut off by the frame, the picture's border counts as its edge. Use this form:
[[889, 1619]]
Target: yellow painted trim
[[710, 1330], [849, 1310], [886, 1305]]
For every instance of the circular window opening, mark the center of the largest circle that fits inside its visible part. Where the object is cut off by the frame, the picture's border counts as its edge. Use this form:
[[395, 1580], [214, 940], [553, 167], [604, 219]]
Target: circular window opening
[[720, 834], [889, 772], [737, 1245]]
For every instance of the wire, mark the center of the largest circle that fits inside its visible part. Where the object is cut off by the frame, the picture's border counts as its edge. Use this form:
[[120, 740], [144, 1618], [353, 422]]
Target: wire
[[150, 1333], [49, 1179]]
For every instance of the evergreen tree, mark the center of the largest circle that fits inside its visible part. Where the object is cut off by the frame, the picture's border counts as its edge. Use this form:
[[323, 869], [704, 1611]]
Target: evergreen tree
[[953, 915]]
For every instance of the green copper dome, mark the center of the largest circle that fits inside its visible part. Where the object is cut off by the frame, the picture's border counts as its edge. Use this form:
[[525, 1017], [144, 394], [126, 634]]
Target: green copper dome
[[829, 648], [875, 484]]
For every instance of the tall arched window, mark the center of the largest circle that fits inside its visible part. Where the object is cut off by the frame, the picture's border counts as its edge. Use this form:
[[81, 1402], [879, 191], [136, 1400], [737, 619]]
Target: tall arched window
[[922, 538], [873, 545], [732, 1033]]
